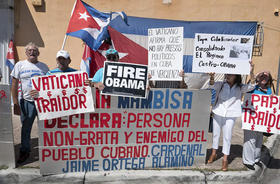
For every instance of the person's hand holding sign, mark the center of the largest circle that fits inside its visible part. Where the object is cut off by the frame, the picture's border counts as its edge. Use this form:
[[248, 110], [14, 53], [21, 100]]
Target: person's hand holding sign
[[34, 93], [99, 85]]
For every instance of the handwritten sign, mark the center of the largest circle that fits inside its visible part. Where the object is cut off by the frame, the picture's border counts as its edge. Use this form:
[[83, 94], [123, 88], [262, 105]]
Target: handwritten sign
[[165, 48], [221, 53], [261, 113], [125, 79], [62, 94], [168, 129]]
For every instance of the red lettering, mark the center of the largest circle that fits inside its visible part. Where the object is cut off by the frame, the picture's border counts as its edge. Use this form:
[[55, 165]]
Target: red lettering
[[255, 98], [45, 104], [71, 80], [82, 101], [191, 136], [64, 85], [116, 120], [45, 153], [264, 102], [131, 118], [45, 83], [37, 87], [66, 103]]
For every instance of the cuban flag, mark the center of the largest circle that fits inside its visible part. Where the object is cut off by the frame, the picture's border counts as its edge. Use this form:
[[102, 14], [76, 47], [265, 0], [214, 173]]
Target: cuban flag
[[90, 25], [85, 63], [131, 40], [10, 58], [137, 31]]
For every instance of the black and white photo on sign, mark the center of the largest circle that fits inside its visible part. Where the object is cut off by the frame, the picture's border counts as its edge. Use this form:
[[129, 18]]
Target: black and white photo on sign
[[240, 52], [125, 79]]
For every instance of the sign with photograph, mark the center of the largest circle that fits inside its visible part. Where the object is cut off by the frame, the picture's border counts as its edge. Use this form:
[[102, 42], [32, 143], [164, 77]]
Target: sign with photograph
[[62, 95], [261, 113], [221, 53], [168, 129], [165, 48], [125, 79]]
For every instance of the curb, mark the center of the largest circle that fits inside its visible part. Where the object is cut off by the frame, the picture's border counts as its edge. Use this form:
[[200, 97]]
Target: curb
[[146, 176]]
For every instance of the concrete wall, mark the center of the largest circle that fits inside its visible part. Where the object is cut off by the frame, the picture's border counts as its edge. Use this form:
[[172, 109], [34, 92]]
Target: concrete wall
[[47, 25]]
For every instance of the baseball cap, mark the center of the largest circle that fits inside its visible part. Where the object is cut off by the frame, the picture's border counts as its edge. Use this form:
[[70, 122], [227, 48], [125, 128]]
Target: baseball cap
[[111, 51], [63, 53]]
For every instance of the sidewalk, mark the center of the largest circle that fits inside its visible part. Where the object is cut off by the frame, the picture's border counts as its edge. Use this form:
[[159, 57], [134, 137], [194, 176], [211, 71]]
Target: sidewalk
[[29, 172]]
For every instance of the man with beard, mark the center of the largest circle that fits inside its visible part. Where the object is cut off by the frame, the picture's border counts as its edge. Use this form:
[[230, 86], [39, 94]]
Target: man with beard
[[24, 71]]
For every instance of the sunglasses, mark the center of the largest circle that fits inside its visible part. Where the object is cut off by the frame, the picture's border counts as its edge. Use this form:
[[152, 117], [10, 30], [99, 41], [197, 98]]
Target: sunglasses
[[112, 57], [262, 75]]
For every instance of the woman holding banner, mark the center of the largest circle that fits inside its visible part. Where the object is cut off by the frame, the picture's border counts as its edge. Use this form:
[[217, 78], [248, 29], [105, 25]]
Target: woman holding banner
[[226, 109], [252, 139]]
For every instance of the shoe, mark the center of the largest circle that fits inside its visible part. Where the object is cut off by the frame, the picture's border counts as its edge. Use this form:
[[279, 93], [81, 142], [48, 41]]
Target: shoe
[[224, 165], [23, 157], [251, 167], [212, 158], [259, 163]]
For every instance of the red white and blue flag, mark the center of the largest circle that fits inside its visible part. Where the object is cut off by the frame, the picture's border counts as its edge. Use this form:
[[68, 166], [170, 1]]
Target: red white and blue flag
[[90, 25], [10, 58]]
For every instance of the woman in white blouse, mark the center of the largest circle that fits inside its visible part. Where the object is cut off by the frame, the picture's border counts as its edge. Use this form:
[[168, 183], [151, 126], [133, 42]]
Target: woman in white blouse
[[226, 109]]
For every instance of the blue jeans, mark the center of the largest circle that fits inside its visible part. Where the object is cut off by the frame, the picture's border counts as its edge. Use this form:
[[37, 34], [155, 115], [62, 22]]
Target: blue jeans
[[27, 116]]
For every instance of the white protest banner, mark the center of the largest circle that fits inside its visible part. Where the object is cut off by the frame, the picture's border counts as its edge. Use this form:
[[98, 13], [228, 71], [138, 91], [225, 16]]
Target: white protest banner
[[222, 53], [62, 95], [125, 79], [168, 129], [261, 113], [165, 48], [7, 153]]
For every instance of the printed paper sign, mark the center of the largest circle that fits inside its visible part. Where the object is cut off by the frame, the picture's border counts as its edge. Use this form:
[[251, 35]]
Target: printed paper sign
[[168, 129], [166, 53], [62, 95], [261, 113], [221, 53], [125, 79]]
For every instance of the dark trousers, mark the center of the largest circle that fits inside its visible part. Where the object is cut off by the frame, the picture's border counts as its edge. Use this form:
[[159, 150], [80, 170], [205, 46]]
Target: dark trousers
[[28, 114]]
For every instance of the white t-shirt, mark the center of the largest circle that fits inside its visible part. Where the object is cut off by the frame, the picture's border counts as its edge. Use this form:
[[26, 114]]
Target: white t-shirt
[[23, 71]]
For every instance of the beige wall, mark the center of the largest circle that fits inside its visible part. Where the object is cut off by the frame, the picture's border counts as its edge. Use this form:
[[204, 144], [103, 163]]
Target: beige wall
[[47, 25]]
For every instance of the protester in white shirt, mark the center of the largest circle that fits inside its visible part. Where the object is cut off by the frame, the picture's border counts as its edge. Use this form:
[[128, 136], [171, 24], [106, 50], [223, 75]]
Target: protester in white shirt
[[226, 110], [24, 71]]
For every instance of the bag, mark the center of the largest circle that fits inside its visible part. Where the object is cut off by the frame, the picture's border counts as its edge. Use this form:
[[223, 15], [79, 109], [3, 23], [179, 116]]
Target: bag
[[210, 129]]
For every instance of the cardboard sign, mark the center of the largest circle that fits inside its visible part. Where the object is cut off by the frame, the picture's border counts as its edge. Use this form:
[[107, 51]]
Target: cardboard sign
[[168, 129], [7, 153], [165, 48], [261, 113], [221, 53], [125, 79], [62, 94]]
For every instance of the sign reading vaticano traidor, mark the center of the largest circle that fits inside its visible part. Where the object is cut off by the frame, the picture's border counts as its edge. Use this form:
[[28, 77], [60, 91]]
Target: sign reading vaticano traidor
[[62, 95], [222, 53]]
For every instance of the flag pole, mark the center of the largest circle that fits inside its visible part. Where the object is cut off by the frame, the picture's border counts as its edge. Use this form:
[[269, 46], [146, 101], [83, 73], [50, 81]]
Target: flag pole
[[65, 37], [64, 41]]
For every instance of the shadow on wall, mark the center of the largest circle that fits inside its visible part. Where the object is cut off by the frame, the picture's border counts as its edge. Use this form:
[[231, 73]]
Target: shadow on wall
[[25, 28]]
